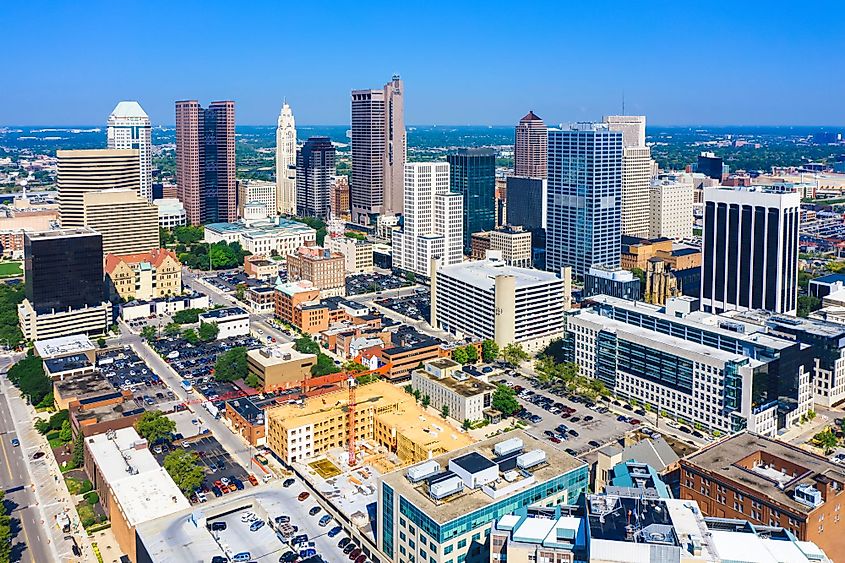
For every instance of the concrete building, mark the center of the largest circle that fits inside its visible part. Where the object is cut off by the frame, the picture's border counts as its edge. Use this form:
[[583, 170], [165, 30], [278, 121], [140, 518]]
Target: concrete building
[[171, 213], [750, 246], [232, 321], [280, 366], [433, 220], [205, 161], [584, 197], [322, 267], [357, 254], [769, 483], [163, 306], [146, 276], [531, 147], [636, 173], [92, 320], [472, 174], [711, 166], [479, 244], [616, 283], [256, 191], [83, 171], [379, 146], [247, 420], [132, 486], [339, 198], [128, 222], [276, 237], [443, 381], [129, 128], [286, 162], [384, 415], [315, 170], [444, 508], [489, 299], [515, 245], [670, 210], [260, 267]]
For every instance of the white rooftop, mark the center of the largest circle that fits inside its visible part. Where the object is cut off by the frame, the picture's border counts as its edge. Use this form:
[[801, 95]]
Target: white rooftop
[[482, 274], [128, 109], [63, 346]]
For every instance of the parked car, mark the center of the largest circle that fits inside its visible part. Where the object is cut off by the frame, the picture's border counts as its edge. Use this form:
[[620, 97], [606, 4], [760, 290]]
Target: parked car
[[349, 548], [302, 496], [594, 443], [288, 482], [354, 554], [253, 480], [324, 521], [343, 543], [334, 531], [314, 510], [257, 525], [283, 519], [15, 442], [216, 526]]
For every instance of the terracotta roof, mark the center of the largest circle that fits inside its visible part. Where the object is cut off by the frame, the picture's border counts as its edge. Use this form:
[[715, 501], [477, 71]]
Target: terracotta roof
[[531, 116], [155, 257]]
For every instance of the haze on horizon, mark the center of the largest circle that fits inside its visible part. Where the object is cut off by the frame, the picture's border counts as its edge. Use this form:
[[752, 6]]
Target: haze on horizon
[[721, 63]]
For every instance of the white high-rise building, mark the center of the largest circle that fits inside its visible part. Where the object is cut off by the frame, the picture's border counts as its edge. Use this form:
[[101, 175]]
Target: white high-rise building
[[433, 217], [286, 162], [670, 209], [129, 128], [636, 173]]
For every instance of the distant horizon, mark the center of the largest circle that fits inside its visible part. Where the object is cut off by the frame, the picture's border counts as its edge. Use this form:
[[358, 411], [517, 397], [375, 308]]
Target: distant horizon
[[648, 125]]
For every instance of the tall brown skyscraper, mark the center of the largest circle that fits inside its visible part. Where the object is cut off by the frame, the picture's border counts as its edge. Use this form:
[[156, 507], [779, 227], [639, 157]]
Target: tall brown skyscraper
[[379, 144], [205, 161], [531, 151]]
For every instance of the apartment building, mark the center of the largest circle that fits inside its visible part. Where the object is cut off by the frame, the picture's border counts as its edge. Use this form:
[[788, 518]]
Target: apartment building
[[357, 254], [443, 381]]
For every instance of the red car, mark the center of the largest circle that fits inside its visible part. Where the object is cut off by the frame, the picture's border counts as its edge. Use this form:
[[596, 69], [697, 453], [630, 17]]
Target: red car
[[554, 440], [361, 558], [302, 496], [354, 554]]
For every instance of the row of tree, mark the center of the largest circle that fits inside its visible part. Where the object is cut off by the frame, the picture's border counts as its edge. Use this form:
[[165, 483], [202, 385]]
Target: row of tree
[[28, 376], [10, 332]]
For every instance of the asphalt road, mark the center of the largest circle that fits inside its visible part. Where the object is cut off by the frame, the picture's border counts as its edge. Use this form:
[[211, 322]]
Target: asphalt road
[[29, 534]]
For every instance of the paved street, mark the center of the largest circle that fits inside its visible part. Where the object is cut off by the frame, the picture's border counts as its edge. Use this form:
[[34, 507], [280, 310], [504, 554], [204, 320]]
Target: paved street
[[34, 492]]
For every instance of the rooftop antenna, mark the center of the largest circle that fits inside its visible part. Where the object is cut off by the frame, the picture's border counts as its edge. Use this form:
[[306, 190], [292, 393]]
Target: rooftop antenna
[[623, 102]]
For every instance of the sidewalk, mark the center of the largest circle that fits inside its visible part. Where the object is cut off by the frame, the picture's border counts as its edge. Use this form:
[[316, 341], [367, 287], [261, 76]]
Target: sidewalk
[[48, 482]]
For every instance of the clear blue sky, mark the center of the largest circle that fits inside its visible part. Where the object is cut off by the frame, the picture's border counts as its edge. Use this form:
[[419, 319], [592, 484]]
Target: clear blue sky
[[718, 62]]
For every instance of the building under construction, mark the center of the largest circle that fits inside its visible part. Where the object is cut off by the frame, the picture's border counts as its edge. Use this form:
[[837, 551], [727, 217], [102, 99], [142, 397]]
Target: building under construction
[[385, 418]]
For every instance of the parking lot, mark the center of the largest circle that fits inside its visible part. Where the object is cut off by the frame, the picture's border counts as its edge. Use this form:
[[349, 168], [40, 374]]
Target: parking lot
[[228, 281], [126, 371], [417, 307], [359, 284]]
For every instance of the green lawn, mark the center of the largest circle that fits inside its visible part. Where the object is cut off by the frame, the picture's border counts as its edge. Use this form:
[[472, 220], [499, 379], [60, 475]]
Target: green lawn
[[10, 269]]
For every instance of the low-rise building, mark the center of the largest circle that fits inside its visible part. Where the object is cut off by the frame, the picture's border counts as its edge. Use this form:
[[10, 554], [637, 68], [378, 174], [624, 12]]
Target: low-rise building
[[232, 321], [272, 236], [514, 243], [71, 345], [654, 452], [163, 306], [247, 420], [146, 275], [171, 213], [404, 358], [89, 390], [479, 245], [448, 386], [357, 254], [261, 299], [322, 267], [600, 280], [260, 267], [39, 325], [280, 366], [290, 295], [132, 486]]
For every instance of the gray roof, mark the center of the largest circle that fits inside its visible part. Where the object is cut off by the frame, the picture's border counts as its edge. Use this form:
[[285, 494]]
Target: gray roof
[[654, 452]]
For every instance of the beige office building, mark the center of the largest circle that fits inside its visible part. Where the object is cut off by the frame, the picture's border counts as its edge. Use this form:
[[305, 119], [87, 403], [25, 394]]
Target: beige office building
[[320, 266], [83, 171], [636, 173], [515, 245], [357, 254], [128, 222], [670, 210], [446, 385]]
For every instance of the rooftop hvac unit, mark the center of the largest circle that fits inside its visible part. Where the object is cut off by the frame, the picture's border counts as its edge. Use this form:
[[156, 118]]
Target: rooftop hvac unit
[[447, 487], [421, 471], [508, 446], [530, 459]]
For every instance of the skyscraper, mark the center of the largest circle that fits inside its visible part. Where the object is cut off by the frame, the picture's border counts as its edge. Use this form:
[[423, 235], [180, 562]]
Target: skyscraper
[[314, 177], [531, 147], [205, 161], [636, 173], [129, 128], [127, 223], [711, 165], [433, 220], [286, 162], [583, 200], [82, 171], [378, 151], [472, 173], [750, 247]]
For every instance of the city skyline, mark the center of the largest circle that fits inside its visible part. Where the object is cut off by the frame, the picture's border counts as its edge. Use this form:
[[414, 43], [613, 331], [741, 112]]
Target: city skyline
[[583, 80]]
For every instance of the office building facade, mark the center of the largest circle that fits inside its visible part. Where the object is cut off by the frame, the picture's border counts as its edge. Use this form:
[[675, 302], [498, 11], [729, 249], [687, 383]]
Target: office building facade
[[127, 222], [379, 147], [616, 283], [257, 191], [83, 171], [670, 210], [711, 166], [472, 173], [129, 128], [205, 161], [315, 169], [636, 173], [583, 198], [531, 147], [750, 248], [433, 220], [515, 245], [286, 162]]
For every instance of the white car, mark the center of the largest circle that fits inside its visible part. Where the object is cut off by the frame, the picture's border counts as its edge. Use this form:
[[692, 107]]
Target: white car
[[225, 481], [247, 516]]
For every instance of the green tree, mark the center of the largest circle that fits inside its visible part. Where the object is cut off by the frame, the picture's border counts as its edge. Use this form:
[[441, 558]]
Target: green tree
[[65, 434], [183, 467], [253, 381], [459, 355], [807, 304], [504, 400], [28, 375], [187, 316], [826, 439], [208, 331], [191, 336], [514, 355], [172, 329], [444, 411], [5, 531], [240, 289], [426, 400], [472, 353], [466, 424], [77, 458], [231, 365], [155, 427], [409, 389], [10, 297], [148, 333], [306, 345], [489, 350], [417, 395], [101, 342], [324, 366]]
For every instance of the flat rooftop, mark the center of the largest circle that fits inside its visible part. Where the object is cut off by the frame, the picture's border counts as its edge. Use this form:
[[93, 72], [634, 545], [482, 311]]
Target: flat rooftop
[[468, 387], [63, 345], [748, 458], [266, 227], [557, 462], [67, 363], [482, 274], [88, 385], [278, 354], [223, 313], [247, 410]]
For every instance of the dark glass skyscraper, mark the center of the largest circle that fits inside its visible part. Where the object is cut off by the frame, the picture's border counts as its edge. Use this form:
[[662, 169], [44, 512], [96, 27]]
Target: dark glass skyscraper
[[710, 165], [315, 170], [472, 173], [64, 268]]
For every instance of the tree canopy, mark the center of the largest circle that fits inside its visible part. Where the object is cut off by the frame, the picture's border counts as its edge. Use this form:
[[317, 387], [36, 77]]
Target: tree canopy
[[187, 316], [10, 297], [155, 427], [489, 350], [306, 345], [184, 469], [208, 331], [514, 355], [231, 365], [28, 376], [504, 400]]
